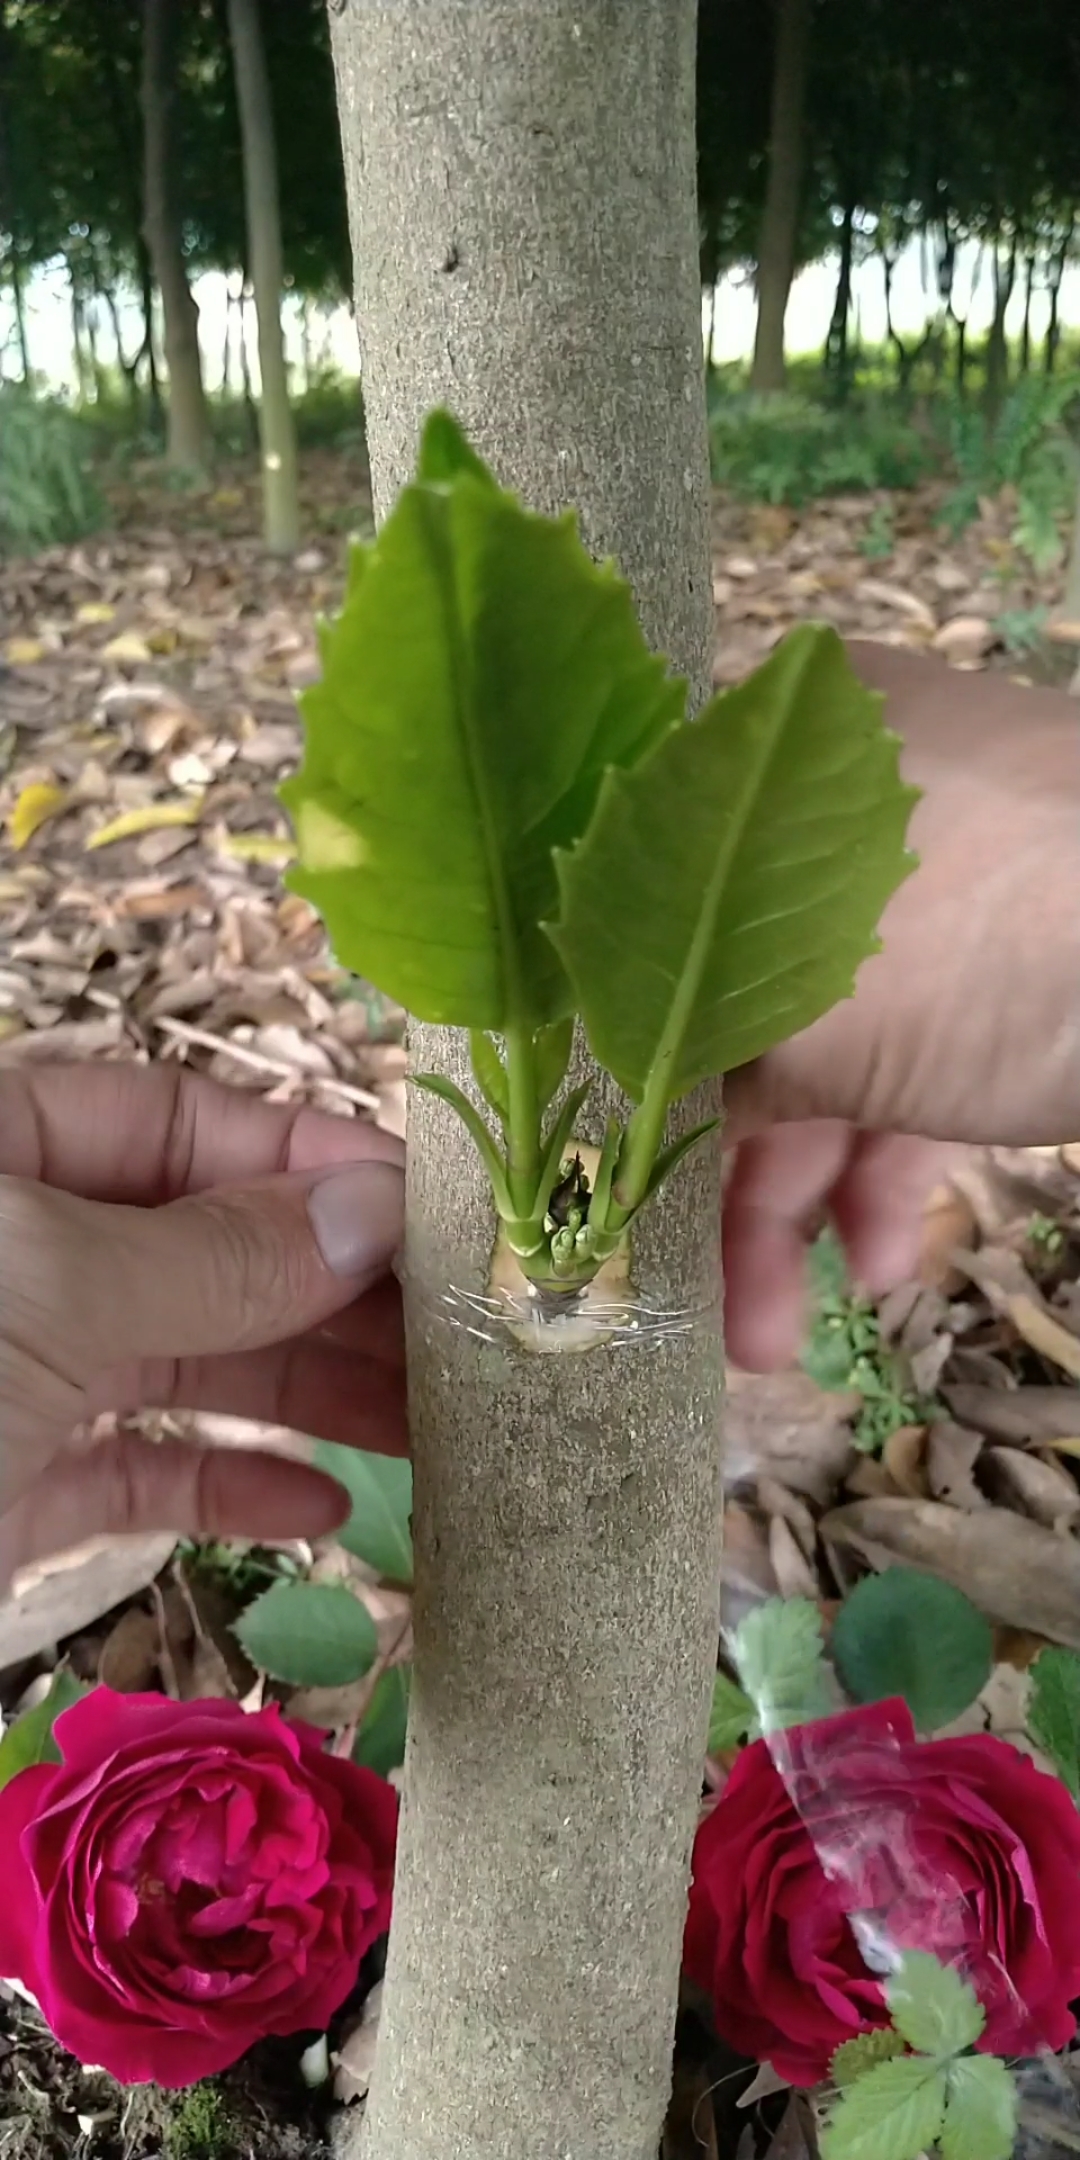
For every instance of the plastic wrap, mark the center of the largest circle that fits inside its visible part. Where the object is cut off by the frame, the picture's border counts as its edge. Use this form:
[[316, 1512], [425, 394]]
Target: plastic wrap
[[953, 1843]]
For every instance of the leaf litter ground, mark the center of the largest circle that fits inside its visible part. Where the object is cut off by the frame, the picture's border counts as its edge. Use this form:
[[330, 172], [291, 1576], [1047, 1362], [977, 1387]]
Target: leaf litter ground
[[147, 684]]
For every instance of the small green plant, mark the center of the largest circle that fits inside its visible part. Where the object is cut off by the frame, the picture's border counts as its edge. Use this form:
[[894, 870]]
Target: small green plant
[[199, 2126], [1047, 1236], [1021, 630], [879, 539], [845, 1350], [793, 449], [916, 2084], [1027, 448], [47, 492], [505, 824]]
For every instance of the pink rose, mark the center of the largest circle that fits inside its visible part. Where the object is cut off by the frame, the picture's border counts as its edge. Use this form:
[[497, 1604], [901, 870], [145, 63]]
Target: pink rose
[[187, 1880], [959, 1847]]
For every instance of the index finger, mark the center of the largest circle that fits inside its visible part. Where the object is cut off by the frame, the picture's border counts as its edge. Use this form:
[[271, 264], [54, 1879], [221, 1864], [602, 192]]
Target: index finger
[[145, 1134]]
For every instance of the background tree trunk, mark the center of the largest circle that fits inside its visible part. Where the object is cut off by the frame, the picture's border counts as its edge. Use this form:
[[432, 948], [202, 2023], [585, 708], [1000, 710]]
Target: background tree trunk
[[524, 230], [277, 436], [780, 217], [188, 419]]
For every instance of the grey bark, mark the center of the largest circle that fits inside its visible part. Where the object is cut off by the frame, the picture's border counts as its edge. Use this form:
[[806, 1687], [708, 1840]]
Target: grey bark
[[522, 200], [277, 435], [783, 191], [188, 419]]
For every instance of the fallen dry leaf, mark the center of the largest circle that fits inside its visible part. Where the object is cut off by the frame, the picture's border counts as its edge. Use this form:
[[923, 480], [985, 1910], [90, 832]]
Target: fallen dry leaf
[[1009, 1290], [951, 1455], [782, 1426], [1043, 1490], [55, 1598], [149, 817], [1017, 1414], [903, 1458], [32, 809], [354, 2060], [1013, 1569]]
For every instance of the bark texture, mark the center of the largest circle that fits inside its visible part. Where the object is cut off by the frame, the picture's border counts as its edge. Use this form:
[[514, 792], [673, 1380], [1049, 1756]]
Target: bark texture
[[522, 199], [188, 421], [783, 191], [277, 435]]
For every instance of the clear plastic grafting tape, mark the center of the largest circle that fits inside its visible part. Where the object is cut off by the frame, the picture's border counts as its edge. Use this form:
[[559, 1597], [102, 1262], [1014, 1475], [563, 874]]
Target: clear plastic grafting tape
[[869, 1892]]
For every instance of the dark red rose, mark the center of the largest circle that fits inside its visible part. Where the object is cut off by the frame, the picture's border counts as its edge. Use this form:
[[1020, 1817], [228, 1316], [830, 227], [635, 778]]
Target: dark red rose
[[187, 1880], [960, 1847]]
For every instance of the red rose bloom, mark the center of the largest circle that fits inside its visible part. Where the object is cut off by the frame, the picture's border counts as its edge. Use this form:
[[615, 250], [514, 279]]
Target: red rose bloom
[[960, 1847], [187, 1880]]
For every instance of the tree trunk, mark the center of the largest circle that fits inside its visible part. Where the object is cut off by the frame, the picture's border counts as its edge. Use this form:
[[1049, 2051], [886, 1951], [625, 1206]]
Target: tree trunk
[[78, 324], [1025, 334], [780, 217], [1056, 273], [19, 300], [277, 436], [566, 1510], [997, 351], [836, 343], [189, 422]]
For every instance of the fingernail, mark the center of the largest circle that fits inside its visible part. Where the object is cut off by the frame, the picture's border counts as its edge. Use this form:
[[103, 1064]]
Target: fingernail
[[357, 1215]]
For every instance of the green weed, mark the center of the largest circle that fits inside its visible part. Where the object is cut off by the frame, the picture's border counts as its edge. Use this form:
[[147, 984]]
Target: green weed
[[845, 1350]]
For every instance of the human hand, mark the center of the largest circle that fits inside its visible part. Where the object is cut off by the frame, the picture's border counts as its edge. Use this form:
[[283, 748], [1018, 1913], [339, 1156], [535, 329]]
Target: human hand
[[167, 1242], [965, 1028]]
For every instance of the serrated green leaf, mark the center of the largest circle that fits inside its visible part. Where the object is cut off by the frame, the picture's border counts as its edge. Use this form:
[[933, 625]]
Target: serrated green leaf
[[490, 1073], [731, 1716], [29, 1740], [904, 1633], [379, 1529], [1053, 1717], [482, 677], [933, 2007], [981, 2110], [854, 2057], [780, 1659], [380, 1742], [894, 2112], [310, 1634], [445, 451], [752, 855]]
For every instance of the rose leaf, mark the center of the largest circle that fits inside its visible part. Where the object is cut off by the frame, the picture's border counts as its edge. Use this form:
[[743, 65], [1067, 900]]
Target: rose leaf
[[30, 1739], [894, 2112], [731, 1716], [905, 1633], [780, 1658], [380, 1489], [854, 2057], [753, 854], [1053, 1718], [932, 2007], [310, 1634], [980, 2112], [380, 1742]]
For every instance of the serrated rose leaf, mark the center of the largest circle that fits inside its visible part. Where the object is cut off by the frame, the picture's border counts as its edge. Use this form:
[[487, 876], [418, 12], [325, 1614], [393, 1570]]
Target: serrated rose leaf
[[932, 2007], [980, 2112], [893, 2112]]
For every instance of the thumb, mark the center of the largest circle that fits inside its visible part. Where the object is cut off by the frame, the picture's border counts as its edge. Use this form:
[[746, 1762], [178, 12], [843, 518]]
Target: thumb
[[85, 1285]]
